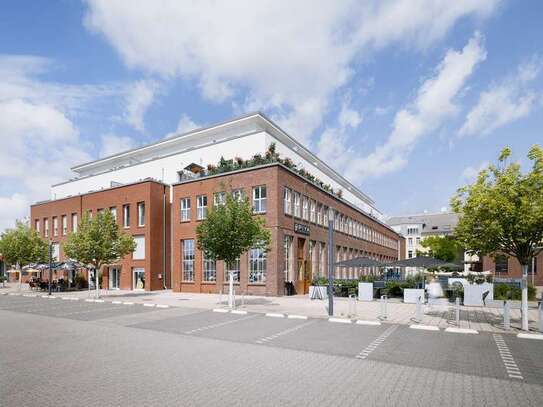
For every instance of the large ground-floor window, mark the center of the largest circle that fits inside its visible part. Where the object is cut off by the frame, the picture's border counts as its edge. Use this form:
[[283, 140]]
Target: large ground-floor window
[[233, 268], [187, 248], [257, 265], [210, 269]]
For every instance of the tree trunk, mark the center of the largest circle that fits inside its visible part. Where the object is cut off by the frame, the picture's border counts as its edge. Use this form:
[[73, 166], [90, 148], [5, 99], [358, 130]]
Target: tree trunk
[[524, 303]]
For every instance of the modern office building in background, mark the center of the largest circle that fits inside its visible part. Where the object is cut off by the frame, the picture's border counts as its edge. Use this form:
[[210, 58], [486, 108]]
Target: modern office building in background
[[159, 193]]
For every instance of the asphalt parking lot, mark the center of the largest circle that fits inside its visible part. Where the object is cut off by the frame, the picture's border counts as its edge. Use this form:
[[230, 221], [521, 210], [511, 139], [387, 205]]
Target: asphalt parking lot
[[505, 358]]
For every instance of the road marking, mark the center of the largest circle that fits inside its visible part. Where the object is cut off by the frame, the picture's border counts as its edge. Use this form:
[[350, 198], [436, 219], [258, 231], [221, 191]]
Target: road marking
[[128, 303], [99, 300], [297, 317], [85, 311], [372, 346], [461, 330], [89, 300], [424, 327], [217, 325], [285, 332], [362, 322], [507, 359], [275, 315], [238, 312], [162, 306], [149, 305], [222, 310], [116, 302], [530, 336], [340, 320]]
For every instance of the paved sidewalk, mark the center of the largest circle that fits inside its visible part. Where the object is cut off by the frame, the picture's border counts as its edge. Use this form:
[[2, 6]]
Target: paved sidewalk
[[487, 319]]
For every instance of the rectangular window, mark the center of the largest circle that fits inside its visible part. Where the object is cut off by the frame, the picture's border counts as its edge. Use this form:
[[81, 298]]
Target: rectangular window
[[201, 207], [64, 225], [259, 199], [319, 214], [238, 195], [410, 241], [233, 268], [257, 265], [188, 259], [46, 227], [113, 211], [185, 209], [139, 253], [37, 225], [313, 211], [325, 216], [74, 222], [210, 269], [141, 214], [287, 267], [297, 207], [90, 213], [287, 201], [126, 216], [305, 208], [55, 251], [55, 226], [219, 198], [501, 264], [410, 254]]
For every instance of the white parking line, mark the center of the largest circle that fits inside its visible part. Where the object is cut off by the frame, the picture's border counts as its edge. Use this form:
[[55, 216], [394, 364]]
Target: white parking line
[[222, 310], [424, 327], [362, 322], [297, 317], [372, 346], [116, 302], [128, 303], [461, 330], [149, 305], [340, 320], [162, 306], [275, 315], [217, 325], [285, 332], [238, 312], [507, 359], [530, 336]]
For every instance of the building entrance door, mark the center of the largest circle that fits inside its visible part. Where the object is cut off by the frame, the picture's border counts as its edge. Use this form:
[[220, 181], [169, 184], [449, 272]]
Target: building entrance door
[[139, 279], [302, 286], [114, 278]]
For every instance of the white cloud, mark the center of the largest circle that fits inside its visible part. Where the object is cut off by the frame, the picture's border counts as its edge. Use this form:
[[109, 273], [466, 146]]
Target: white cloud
[[186, 124], [504, 103], [470, 173], [288, 61], [433, 104], [139, 98], [113, 144]]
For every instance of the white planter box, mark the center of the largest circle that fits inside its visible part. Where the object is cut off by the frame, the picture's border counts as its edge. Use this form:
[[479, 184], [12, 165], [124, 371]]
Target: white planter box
[[410, 295], [473, 293], [365, 291], [318, 292]]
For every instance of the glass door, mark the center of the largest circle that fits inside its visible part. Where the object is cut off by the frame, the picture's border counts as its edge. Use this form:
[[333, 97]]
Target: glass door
[[114, 278], [139, 279]]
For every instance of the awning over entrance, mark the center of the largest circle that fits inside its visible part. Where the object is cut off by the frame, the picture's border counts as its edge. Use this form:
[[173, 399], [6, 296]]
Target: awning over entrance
[[360, 262], [424, 262]]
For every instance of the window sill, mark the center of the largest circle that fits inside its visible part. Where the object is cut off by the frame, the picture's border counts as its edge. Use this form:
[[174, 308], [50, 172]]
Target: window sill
[[256, 284], [209, 282], [185, 221]]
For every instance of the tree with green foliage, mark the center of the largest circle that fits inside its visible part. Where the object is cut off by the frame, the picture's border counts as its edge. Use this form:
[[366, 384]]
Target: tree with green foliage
[[502, 213], [21, 246], [443, 248], [98, 242], [231, 229]]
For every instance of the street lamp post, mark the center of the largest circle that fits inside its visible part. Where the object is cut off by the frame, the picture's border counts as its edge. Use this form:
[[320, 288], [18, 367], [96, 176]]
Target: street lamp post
[[50, 265], [331, 262]]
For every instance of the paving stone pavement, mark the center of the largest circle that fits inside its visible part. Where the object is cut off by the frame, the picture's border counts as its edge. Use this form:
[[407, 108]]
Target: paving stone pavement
[[145, 359]]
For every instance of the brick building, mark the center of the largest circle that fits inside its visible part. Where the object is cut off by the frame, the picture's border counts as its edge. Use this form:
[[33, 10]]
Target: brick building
[[508, 267], [141, 209], [295, 211], [165, 242]]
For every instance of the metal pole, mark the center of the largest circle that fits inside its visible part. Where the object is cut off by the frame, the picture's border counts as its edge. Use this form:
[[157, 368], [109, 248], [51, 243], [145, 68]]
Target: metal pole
[[457, 310], [418, 315], [384, 306], [506, 315], [330, 264], [524, 305], [50, 265]]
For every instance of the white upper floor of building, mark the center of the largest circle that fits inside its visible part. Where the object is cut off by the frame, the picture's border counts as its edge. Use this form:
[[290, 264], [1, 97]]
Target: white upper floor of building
[[241, 137]]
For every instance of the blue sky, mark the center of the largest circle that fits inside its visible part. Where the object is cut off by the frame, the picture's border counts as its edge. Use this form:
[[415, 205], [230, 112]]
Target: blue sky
[[407, 98]]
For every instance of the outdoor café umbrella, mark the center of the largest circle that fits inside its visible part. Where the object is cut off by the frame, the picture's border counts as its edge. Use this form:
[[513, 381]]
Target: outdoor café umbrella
[[424, 262], [360, 262]]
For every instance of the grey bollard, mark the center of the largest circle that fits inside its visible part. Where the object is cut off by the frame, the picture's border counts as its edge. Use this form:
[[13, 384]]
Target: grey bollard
[[418, 313], [233, 298], [506, 315], [384, 299], [352, 305], [457, 304]]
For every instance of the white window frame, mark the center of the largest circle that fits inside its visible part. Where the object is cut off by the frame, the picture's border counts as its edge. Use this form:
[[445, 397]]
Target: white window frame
[[209, 270], [235, 270], [64, 219], [184, 204], [201, 207], [260, 199], [113, 211], [312, 211], [141, 214], [126, 216], [139, 251], [238, 194], [257, 266], [187, 260], [55, 225], [219, 198], [297, 205], [305, 208], [46, 227], [75, 223], [37, 225], [287, 201]]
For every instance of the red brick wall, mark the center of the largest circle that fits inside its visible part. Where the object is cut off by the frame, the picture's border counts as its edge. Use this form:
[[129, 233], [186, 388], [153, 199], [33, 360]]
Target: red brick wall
[[515, 270], [149, 192]]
